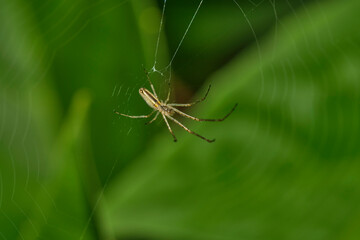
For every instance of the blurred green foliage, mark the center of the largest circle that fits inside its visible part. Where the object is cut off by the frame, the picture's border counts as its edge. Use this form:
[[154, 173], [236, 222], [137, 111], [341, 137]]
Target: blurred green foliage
[[285, 165]]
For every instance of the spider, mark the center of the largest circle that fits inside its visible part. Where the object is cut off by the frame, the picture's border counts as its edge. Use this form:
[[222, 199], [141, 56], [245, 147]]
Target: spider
[[167, 110]]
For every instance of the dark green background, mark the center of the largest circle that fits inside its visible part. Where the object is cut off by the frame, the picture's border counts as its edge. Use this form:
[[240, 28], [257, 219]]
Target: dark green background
[[285, 165]]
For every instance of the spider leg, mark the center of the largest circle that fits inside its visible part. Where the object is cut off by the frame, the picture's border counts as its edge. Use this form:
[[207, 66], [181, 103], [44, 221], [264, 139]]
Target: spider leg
[[189, 131], [157, 114], [190, 104], [175, 140], [141, 116], [168, 96], [200, 119], [151, 85]]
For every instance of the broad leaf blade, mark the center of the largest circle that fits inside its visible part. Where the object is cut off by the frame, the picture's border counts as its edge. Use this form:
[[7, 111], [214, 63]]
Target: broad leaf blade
[[285, 164]]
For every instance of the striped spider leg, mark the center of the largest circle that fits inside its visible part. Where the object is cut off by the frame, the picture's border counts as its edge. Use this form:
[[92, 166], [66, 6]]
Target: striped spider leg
[[167, 110]]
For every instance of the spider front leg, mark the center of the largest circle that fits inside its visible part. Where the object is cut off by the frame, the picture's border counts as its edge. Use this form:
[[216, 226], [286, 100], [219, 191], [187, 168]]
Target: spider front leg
[[151, 85], [170, 130], [203, 120], [168, 96], [129, 116], [190, 104]]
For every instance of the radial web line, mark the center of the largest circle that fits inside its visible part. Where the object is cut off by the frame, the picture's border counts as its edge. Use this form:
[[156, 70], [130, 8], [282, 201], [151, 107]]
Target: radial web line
[[186, 31], [159, 34]]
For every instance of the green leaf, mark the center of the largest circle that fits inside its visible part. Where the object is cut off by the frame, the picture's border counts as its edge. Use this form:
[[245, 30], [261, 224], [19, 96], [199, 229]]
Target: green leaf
[[52, 168], [41, 194], [285, 165]]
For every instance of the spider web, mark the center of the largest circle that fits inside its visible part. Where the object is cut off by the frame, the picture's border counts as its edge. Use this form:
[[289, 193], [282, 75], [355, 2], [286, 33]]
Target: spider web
[[27, 73], [165, 70], [280, 86], [19, 123]]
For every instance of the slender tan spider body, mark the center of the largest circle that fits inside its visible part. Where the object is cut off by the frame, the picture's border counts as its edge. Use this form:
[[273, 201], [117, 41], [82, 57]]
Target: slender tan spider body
[[155, 103], [167, 110]]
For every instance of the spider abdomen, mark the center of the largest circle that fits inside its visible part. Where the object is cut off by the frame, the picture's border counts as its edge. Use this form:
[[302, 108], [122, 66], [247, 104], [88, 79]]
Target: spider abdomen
[[149, 98]]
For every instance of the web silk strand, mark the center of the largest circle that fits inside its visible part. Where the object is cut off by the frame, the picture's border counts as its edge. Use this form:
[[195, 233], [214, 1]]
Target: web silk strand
[[159, 34], [186, 31]]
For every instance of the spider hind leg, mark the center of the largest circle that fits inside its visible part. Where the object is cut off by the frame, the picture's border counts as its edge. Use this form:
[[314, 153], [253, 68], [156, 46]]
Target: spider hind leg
[[189, 131]]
